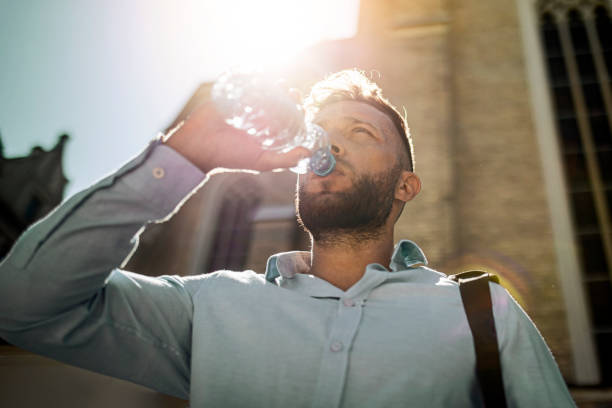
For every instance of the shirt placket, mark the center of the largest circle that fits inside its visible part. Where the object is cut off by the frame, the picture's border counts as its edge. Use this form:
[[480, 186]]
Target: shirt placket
[[334, 362]]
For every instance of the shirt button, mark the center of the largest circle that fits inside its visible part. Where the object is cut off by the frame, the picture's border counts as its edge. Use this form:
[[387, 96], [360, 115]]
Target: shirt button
[[336, 346], [348, 302], [158, 172]]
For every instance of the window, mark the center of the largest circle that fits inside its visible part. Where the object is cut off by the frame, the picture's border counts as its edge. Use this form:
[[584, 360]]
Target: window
[[234, 226], [577, 43]]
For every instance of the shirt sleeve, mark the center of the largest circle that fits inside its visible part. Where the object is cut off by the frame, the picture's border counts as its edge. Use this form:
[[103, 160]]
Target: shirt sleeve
[[530, 374], [62, 296]]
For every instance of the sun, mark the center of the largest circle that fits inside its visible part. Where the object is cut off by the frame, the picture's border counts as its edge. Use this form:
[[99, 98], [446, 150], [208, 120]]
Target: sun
[[272, 31]]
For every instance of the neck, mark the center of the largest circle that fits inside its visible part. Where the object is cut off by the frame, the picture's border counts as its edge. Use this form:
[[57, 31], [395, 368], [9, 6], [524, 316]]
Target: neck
[[341, 260]]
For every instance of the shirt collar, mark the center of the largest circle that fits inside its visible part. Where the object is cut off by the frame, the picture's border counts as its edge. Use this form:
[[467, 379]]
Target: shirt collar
[[287, 265], [407, 254]]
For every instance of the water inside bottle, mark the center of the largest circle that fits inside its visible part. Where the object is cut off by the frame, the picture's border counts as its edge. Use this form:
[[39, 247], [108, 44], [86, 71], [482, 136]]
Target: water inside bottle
[[254, 103]]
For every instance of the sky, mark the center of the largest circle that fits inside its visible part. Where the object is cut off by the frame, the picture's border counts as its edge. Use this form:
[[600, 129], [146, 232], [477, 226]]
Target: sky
[[113, 73]]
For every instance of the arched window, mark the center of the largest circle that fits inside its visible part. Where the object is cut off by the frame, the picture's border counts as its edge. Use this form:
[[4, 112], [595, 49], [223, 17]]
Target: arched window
[[577, 42], [234, 226]]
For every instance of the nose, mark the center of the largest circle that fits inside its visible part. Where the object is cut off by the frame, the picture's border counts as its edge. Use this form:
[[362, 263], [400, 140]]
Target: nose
[[336, 148]]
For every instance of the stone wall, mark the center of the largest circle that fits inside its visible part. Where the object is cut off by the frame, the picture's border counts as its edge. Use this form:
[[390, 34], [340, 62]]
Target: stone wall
[[458, 70], [501, 205]]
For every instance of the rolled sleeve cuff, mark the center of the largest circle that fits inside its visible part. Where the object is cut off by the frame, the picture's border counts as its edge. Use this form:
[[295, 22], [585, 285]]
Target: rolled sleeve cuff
[[164, 178]]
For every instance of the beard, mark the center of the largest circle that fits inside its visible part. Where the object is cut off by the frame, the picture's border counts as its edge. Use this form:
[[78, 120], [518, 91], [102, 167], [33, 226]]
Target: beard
[[351, 216]]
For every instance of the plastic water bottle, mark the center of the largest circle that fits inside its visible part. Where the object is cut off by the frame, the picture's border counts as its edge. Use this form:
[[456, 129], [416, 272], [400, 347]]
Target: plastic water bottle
[[256, 104]]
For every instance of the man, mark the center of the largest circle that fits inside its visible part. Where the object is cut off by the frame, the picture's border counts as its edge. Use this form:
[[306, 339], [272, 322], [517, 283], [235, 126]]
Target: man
[[354, 322]]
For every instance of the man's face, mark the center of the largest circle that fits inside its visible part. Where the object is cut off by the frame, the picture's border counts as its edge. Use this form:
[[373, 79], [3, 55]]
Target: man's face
[[358, 195]]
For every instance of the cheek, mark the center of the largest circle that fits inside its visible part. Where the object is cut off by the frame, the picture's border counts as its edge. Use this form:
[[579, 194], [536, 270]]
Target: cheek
[[373, 161]]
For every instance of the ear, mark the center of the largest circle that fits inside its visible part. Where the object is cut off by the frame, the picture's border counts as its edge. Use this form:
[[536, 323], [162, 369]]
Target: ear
[[408, 186]]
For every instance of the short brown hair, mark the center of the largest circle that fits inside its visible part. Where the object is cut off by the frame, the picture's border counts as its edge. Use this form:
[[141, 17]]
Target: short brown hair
[[354, 85]]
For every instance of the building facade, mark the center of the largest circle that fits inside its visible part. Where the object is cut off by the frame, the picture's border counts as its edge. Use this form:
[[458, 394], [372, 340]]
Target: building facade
[[478, 90], [511, 124]]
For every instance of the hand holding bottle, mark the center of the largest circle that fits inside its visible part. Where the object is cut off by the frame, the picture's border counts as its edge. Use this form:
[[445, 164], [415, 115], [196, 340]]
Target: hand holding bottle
[[255, 103], [209, 142]]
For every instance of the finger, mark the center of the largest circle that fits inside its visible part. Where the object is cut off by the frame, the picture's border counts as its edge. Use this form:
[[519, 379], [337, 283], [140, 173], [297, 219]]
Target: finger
[[273, 160]]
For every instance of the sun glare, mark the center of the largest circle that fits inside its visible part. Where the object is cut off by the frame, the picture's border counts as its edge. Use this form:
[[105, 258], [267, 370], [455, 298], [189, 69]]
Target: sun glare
[[272, 31]]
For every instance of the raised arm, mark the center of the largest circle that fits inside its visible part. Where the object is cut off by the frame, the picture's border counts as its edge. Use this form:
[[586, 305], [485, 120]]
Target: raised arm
[[61, 294]]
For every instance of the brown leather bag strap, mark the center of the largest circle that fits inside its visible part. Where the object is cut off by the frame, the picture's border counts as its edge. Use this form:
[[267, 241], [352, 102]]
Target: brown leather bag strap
[[476, 298]]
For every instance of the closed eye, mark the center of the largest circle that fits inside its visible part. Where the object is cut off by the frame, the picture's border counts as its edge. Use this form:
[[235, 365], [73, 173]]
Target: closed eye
[[360, 129]]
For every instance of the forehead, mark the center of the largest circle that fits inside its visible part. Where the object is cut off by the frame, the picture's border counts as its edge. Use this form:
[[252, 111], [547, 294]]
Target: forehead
[[351, 111]]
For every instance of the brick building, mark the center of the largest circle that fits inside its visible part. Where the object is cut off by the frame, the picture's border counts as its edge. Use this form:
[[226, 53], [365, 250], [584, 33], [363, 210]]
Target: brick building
[[512, 149], [498, 194]]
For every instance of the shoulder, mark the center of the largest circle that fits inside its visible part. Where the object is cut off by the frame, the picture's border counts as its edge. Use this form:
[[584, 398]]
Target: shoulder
[[511, 320], [421, 274], [247, 277], [226, 280], [502, 302]]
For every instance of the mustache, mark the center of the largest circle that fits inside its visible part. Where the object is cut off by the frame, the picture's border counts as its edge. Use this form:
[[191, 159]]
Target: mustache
[[344, 164]]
